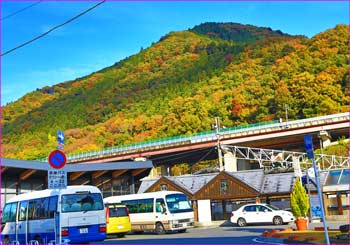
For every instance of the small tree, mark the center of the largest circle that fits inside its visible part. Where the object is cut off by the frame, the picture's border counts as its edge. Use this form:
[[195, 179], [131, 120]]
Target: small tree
[[299, 200]]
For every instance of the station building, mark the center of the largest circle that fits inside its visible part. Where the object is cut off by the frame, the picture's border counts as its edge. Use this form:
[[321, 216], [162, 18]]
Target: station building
[[114, 178], [215, 195]]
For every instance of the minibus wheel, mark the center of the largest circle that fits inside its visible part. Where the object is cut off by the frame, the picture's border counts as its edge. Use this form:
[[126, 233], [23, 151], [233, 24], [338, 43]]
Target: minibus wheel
[[37, 238], [160, 228]]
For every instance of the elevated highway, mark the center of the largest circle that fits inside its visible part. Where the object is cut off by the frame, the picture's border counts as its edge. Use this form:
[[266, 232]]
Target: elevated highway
[[192, 148]]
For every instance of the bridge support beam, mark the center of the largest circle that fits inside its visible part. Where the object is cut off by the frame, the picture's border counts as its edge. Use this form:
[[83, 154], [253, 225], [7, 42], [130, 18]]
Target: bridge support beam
[[230, 161]]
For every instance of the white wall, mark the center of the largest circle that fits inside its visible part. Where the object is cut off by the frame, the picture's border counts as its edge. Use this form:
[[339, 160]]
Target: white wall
[[204, 211]]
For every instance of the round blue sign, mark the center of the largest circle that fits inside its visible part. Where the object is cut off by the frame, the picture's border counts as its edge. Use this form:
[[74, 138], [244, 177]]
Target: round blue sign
[[57, 159]]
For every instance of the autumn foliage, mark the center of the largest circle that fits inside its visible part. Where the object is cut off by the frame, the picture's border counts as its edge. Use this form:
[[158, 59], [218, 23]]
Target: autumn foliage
[[240, 73]]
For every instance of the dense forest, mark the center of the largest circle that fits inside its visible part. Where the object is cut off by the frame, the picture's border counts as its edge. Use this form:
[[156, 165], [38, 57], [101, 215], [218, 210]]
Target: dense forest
[[240, 73]]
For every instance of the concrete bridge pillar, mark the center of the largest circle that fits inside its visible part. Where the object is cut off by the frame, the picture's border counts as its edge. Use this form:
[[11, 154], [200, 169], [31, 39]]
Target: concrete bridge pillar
[[296, 166], [325, 139], [230, 162], [166, 170]]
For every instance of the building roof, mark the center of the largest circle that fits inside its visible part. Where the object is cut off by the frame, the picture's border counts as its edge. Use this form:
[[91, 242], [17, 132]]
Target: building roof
[[77, 167], [192, 183], [277, 183], [146, 184], [252, 178]]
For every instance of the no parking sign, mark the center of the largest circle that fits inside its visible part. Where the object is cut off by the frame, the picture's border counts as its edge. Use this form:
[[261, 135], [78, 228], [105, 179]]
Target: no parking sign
[[57, 159], [57, 177]]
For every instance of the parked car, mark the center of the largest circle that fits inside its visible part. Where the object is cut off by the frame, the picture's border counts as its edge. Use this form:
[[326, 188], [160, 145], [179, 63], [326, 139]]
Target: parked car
[[117, 219], [260, 213]]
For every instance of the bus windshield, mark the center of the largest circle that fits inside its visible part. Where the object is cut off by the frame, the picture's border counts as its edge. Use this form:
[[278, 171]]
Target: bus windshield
[[178, 203], [81, 202]]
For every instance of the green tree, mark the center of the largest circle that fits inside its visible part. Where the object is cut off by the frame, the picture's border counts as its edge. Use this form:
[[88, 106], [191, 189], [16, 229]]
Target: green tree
[[299, 200]]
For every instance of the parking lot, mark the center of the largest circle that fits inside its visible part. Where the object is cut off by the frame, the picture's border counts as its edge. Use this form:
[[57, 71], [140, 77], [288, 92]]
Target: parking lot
[[212, 235], [224, 233]]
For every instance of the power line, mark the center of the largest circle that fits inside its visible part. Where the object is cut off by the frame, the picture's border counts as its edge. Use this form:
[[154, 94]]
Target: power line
[[52, 29], [20, 10]]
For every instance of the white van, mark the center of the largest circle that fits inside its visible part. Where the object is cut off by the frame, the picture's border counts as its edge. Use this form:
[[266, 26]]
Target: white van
[[157, 211]]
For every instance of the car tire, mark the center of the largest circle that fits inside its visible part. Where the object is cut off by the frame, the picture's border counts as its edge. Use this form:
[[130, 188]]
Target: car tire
[[241, 222], [160, 228], [277, 220], [120, 235]]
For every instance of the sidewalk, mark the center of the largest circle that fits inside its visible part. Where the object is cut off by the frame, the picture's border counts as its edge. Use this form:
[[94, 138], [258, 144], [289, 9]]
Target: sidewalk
[[276, 235], [314, 235]]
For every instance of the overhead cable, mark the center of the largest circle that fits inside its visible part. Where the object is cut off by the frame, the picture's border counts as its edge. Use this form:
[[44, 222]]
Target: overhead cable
[[52, 29], [20, 10]]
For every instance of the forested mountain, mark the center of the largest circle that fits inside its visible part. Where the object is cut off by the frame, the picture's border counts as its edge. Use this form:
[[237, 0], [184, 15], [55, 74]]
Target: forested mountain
[[240, 73]]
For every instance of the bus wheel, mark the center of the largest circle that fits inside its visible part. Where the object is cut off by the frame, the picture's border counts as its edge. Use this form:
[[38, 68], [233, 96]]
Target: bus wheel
[[6, 240], [160, 229], [37, 238]]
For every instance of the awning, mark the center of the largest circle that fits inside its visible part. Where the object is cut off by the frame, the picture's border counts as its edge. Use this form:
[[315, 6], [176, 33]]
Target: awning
[[337, 181]]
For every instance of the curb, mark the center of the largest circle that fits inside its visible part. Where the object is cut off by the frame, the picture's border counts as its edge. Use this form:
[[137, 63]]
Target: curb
[[278, 241], [265, 240]]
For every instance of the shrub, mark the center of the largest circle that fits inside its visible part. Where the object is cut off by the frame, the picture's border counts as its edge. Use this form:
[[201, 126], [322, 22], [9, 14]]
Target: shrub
[[299, 200]]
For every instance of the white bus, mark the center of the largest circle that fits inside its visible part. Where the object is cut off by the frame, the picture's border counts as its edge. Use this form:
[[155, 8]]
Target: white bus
[[73, 215], [157, 211]]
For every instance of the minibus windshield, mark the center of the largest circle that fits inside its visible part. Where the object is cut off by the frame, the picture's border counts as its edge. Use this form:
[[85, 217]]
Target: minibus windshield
[[178, 203]]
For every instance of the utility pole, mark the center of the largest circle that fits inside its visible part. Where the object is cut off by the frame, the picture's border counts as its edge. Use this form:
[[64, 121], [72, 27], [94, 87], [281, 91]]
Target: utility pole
[[286, 107], [217, 127]]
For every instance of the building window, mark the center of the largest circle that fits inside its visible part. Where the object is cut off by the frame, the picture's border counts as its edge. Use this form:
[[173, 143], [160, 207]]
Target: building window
[[223, 187], [164, 187]]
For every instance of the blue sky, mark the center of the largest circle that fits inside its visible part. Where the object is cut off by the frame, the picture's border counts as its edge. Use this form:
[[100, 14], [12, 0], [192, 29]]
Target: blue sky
[[115, 30]]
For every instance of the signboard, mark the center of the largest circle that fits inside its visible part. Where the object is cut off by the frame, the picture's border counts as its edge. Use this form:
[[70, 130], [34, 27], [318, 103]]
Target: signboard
[[57, 159], [309, 146], [60, 140], [57, 179]]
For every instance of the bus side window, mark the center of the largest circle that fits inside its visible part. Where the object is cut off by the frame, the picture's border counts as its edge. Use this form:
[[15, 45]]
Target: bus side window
[[31, 209], [23, 210], [52, 206], [13, 212], [44, 207], [160, 206], [7, 213], [36, 211]]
